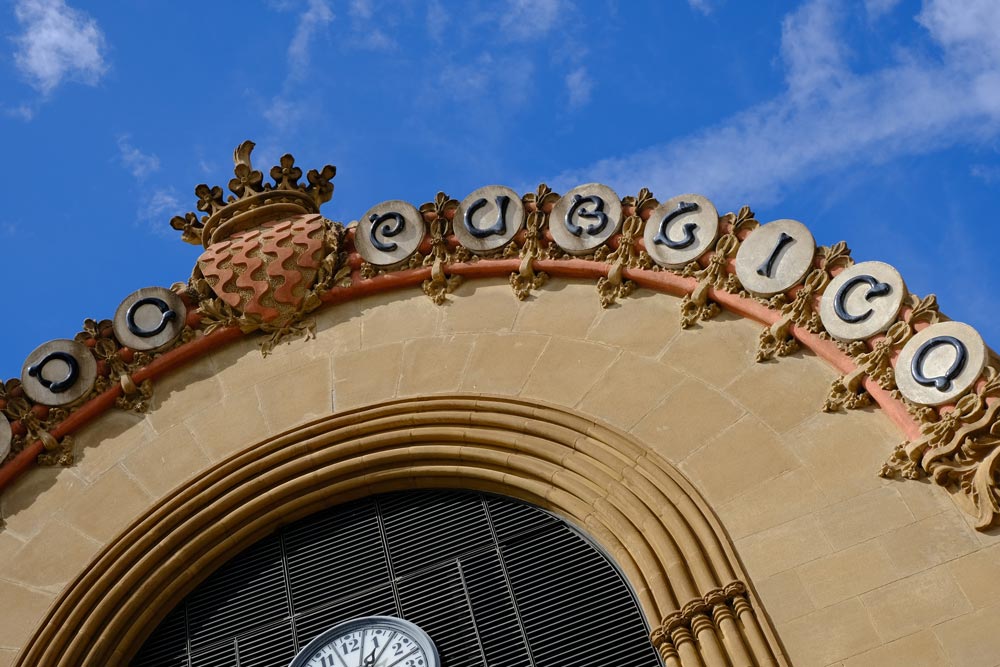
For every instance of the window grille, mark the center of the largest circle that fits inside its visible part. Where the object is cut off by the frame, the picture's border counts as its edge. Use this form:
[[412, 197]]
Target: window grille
[[494, 582]]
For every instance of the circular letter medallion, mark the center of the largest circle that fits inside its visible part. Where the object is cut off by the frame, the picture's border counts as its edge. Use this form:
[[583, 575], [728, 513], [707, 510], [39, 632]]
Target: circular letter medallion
[[585, 217], [59, 372], [862, 300], [940, 363], [389, 233], [5, 437], [681, 230], [149, 319], [488, 219], [775, 256]]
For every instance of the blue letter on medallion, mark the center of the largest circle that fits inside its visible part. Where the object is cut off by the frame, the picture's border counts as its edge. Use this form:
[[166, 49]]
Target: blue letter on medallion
[[597, 214], [59, 386], [166, 314], [386, 230], [940, 382], [498, 228], [689, 238], [875, 289]]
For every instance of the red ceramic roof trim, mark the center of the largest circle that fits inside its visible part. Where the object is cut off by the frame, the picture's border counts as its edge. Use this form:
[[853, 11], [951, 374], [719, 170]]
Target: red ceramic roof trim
[[660, 281]]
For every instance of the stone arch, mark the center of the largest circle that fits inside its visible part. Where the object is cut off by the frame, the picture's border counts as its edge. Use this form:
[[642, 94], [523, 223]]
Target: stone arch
[[653, 522]]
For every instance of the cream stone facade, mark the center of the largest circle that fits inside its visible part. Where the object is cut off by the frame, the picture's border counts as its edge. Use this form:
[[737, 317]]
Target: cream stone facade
[[695, 460]]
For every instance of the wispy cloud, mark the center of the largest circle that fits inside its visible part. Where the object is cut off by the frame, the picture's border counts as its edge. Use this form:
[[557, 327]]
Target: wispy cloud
[[528, 19], [57, 43], [877, 8], [360, 9], [579, 86], [473, 80], [285, 109], [23, 112], [158, 208], [374, 39], [316, 15], [988, 174], [830, 117], [366, 29], [703, 6], [812, 48], [437, 20], [283, 113], [138, 163]]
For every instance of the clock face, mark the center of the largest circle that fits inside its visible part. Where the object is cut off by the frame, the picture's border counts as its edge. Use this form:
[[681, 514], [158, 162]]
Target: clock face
[[370, 641]]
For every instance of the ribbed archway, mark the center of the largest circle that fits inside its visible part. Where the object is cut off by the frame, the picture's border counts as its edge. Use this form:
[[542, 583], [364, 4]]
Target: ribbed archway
[[635, 505]]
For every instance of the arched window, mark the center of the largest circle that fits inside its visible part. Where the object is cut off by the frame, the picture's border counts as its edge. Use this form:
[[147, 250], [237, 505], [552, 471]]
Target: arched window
[[494, 582]]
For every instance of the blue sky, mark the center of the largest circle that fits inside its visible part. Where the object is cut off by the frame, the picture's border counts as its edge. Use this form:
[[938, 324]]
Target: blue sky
[[872, 121]]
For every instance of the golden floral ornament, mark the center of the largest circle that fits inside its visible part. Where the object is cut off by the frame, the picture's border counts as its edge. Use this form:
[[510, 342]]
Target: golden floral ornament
[[801, 311], [439, 215], [960, 450], [874, 359], [627, 256], [538, 204], [696, 305]]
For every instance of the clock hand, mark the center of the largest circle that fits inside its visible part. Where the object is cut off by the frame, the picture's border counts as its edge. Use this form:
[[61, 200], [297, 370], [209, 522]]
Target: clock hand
[[385, 647]]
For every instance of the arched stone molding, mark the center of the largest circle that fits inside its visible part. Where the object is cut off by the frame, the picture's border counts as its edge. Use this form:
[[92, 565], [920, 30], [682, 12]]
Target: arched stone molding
[[665, 538], [730, 269]]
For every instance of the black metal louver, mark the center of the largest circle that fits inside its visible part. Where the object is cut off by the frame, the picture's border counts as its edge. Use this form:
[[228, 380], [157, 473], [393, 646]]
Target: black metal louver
[[494, 582]]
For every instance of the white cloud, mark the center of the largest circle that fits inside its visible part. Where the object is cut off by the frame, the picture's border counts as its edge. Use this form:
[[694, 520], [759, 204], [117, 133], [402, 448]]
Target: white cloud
[[58, 42], [528, 19], [811, 47], [366, 27], [316, 15], [286, 109], [472, 77], [283, 113], [877, 8], [138, 163], [437, 20], [156, 211], [703, 6], [579, 86], [374, 39], [989, 174], [830, 117], [473, 81], [969, 29], [360, 9], [21, 111]]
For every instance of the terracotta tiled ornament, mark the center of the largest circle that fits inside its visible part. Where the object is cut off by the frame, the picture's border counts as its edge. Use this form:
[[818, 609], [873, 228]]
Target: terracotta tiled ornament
[[266, 271]]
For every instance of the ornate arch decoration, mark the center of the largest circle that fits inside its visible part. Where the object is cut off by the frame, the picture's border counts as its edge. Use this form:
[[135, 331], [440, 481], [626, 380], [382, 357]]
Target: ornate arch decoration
[[660, 532], [270, 259]]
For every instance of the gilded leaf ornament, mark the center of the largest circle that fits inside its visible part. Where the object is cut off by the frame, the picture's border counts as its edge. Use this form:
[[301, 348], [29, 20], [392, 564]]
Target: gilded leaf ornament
[[538, 205], [696, 305], [626, 255], [438, 214], [847, 392], [959, 450], [777, 340]]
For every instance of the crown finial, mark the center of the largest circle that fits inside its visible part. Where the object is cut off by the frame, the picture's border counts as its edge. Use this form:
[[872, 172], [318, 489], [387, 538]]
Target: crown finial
[[255, 202]]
